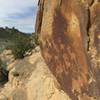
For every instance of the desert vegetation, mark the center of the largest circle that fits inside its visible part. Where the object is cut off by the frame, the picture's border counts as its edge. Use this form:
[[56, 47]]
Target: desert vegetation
[[20, 43], [3, 72]]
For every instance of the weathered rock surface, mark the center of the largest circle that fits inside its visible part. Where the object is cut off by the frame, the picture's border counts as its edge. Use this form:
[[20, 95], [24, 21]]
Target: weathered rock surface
[[30, 79], [7, 57], [69, 34]]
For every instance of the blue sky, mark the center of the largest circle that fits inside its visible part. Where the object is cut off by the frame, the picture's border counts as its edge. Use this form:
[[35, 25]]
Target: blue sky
[[20, 14]]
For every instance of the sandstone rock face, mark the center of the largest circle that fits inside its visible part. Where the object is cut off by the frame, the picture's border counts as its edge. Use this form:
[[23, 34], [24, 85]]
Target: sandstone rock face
[[31, 79], [69, 34]]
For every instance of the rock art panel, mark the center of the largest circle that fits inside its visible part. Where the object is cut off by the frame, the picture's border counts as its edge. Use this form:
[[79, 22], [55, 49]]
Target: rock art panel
[[69, 35]]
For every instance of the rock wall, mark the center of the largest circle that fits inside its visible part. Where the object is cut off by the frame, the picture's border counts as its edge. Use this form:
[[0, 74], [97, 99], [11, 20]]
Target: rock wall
[[69, 35], [31, 79]]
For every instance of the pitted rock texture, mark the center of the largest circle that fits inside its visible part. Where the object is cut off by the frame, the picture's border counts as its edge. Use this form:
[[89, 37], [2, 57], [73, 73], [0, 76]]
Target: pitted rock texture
[[31, 79], [69, 35]]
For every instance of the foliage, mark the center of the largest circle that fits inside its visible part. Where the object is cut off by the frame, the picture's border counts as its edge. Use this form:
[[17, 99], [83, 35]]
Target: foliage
[[8, 36], [3, 72], [35, 39], [20, 48], [12, 34], [3, 65], [20, 43], [0, 62], [1, 49]]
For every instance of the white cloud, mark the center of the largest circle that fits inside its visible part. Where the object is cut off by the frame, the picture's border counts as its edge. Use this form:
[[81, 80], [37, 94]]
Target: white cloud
[[15, 6]]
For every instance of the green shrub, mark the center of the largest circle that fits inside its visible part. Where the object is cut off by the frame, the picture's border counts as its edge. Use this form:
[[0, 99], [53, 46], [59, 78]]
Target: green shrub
[[22, 45], [3, 65], [0, 62], [19, 49], [35, 39], [3, 72], [1, 50]]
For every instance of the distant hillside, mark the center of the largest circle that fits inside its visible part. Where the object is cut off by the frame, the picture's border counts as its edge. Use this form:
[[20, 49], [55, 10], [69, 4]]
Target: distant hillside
[[11, 33], [9, 36]]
